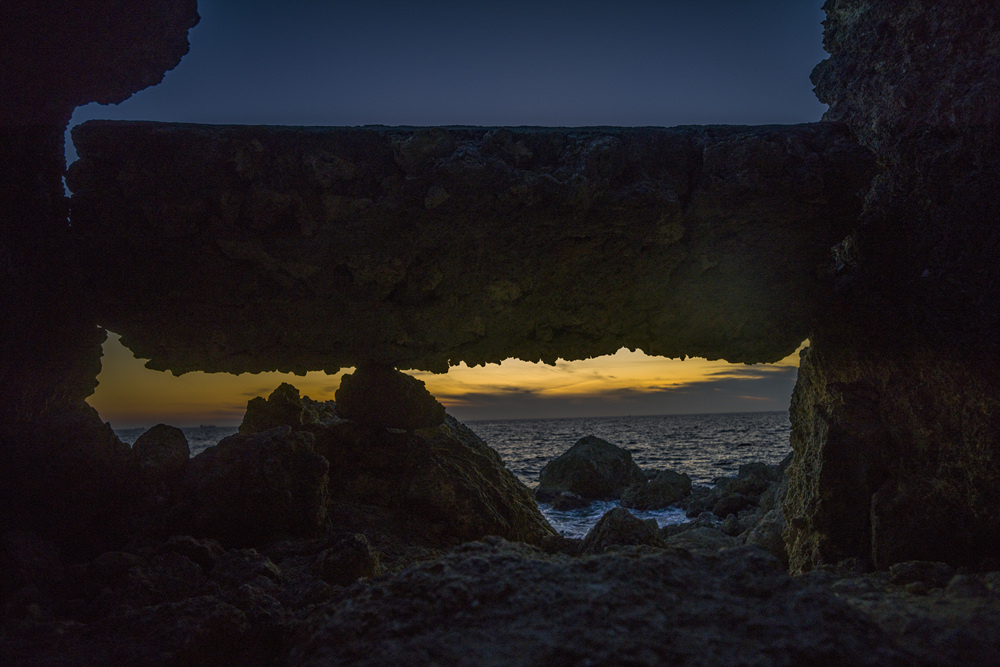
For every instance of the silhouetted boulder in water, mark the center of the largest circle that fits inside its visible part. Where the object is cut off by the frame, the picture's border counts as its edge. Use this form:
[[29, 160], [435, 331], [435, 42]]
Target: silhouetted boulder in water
[[663, 490], [382, 396], [568, 501], [619, 527], [592, 468]]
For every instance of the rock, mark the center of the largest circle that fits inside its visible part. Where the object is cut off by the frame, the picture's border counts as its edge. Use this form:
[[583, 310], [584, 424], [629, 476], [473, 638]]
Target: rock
[[495, 603], [382, 396], [568, 501], [966, 586], [877, 416], [703, 541], [254, 488], [752, 479], [348, 559], [934, 574], [28, 560], [284, 407], [592, 468], [732, 503], [617, 528], [436, 487], [665, 488], [161, 453], [731, 525], [768, 535], [197, 630], [69, 479], [237, 567], [376, 268], [205, 552]]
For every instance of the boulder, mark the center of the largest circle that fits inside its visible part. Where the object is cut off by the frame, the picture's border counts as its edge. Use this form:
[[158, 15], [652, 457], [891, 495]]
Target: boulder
[[160, 453], [284, 407], [592, 468], [702, 541], [768, 535], [382, 396], [664, 489], [348, 558], [441, 486], [252, 488], [568, 501], [619, 527]]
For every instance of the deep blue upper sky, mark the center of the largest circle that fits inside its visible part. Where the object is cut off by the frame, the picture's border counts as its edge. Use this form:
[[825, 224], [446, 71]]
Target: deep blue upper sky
[[588, 62]]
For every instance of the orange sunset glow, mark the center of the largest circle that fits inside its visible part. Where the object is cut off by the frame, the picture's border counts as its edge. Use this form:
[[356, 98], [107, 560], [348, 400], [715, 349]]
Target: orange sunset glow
[[627, 382]]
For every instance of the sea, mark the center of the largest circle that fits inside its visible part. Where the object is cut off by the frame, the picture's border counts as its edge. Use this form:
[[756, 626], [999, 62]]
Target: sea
[[705, 446]]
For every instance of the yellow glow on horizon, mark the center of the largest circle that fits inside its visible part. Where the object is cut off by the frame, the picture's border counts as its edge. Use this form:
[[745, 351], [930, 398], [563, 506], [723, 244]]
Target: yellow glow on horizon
[[624, 369], [130, 394]]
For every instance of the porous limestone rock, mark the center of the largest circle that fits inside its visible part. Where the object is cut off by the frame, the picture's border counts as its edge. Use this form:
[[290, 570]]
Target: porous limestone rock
[[234, 248], [497, 603], [894, 417], [592, 468], [64, 471]]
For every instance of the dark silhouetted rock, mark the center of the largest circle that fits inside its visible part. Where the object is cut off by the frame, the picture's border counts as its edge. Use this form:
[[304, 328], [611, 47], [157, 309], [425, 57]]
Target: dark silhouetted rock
[[592, 468], [347, 559], [664, 489], [619, 528], [768, 535], [238, 567], [503, 604], [934, 574], [161, 453], [364, 241], [284, 407], [702, 540], [252, 488], [895, 436], [441, 486], [204, 552], [382, 396], [568, 501]]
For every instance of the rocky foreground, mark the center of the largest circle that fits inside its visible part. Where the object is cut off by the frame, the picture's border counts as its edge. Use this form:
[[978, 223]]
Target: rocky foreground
[[313, 539]]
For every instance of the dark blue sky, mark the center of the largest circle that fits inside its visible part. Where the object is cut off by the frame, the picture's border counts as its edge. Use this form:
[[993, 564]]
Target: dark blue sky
[[624, 62]]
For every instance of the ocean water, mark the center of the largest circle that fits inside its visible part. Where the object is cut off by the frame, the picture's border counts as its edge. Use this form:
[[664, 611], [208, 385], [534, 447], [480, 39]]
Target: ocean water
[[704, 446]]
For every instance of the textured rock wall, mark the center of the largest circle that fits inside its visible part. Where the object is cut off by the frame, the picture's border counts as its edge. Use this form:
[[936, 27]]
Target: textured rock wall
[[253, 248], [61, 467], [896, 414]]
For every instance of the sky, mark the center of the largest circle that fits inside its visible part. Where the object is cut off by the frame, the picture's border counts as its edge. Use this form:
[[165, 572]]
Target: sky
[[560, 63]]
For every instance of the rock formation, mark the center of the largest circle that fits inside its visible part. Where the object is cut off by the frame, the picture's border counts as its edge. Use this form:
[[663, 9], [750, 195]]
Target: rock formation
[[247, 249], [435, 486], [895, 416], [592, 468], [382, 396], [233, 248], [63, 470]]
